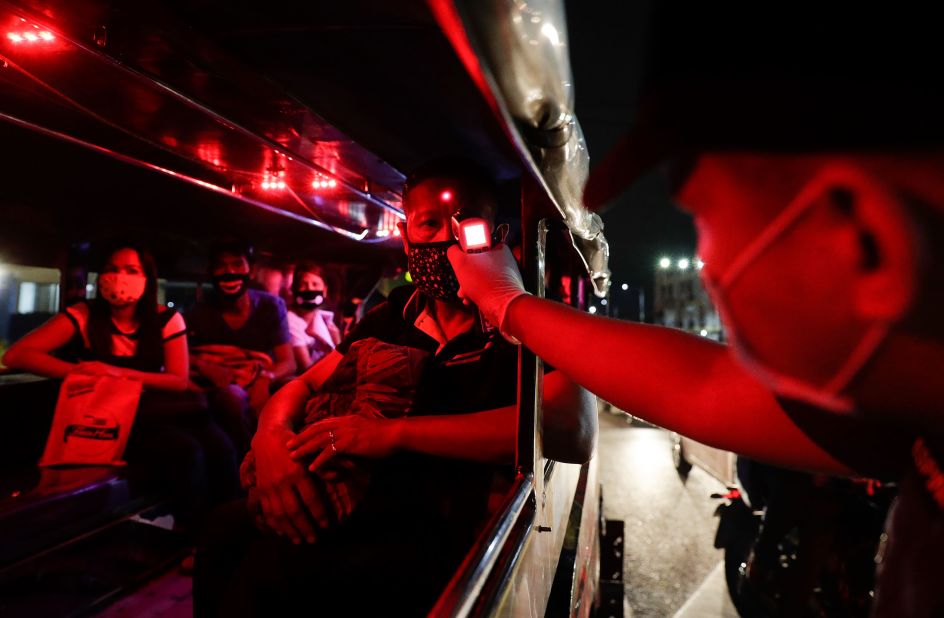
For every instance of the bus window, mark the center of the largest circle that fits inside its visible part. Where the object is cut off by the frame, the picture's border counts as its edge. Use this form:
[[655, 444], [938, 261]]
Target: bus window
[[29, 295]]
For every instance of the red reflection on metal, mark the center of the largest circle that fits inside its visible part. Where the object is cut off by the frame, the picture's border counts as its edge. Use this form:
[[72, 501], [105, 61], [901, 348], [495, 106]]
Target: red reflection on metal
[[387, 226], [209, 152]]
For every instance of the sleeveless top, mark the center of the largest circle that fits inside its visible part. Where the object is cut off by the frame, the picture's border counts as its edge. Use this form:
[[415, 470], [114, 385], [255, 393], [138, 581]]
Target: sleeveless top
[[124, 345]]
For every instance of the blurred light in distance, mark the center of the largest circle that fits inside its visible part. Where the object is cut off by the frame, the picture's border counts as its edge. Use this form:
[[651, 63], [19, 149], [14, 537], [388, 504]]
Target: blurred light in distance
[[446, 196], [603, 301], [593, 309], [703, 333], [665, 262], [699, 264], [683, 264], [625, 286]]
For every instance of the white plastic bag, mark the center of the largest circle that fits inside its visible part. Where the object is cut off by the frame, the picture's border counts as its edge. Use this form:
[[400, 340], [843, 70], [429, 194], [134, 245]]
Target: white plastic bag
[[93, 420]]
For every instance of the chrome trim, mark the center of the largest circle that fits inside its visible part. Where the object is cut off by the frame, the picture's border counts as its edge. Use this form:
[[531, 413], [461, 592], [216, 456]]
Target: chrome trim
[[25, 124], [463, 590]]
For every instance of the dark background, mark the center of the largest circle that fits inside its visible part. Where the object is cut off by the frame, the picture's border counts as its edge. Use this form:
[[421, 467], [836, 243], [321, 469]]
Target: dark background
[[608, 51]]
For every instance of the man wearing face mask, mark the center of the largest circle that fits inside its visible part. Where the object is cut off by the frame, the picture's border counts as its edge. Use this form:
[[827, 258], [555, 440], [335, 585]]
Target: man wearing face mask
[[235, 315], [825, 263], [436, 467]]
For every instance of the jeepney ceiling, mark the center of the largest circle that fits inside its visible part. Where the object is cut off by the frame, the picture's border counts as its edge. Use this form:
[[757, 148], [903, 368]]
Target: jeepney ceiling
[[146, 91]]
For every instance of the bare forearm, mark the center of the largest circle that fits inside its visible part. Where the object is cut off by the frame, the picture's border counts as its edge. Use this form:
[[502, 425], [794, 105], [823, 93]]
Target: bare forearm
[[648, 370], [285, 408], [40, 363], [159, 381], [675, 380], [479, 436], [569, 428]]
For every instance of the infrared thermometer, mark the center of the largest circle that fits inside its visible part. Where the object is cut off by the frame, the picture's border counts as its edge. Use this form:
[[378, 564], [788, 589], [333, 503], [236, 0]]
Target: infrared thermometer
[[475, 236], [473, 233]]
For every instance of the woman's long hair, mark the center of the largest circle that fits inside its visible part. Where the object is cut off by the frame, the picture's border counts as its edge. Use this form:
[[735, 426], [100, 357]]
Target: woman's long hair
[[100, 326]]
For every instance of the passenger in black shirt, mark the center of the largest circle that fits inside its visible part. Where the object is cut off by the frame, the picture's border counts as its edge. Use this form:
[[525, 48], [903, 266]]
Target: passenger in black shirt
[[429, 496]]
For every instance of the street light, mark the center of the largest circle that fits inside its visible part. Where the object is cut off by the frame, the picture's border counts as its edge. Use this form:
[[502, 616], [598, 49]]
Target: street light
[[683, 264], [593, 309], [665, 263], [625, 286]]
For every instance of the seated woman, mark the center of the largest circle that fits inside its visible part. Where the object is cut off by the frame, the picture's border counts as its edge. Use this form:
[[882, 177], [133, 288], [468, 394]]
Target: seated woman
[[311, 327], [124, 332]]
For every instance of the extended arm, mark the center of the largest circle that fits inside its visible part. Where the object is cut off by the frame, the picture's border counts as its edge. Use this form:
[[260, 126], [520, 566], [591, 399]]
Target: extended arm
[[678, 381], [489, 435], [32, 352]]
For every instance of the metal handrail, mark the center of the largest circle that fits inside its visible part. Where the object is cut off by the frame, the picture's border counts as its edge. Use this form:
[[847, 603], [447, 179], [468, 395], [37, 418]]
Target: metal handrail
[[464, 588]]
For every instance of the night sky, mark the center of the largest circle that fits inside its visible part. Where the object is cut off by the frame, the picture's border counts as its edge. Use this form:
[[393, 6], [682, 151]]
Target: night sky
[[607, 50]]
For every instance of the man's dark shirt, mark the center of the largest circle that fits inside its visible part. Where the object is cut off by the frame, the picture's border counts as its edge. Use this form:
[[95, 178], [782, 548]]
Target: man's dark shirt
[[266, 327], [910, 573], [471, 373]]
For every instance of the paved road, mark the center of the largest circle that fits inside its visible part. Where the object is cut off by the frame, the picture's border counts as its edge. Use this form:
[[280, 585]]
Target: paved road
[[669, 521]]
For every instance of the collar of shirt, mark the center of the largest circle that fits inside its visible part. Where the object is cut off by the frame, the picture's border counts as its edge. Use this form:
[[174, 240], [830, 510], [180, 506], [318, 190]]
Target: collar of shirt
[[416, 309]]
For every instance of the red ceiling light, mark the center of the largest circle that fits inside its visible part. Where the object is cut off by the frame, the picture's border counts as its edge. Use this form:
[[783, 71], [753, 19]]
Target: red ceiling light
[[322, 181], [29, 36], [446, 196]]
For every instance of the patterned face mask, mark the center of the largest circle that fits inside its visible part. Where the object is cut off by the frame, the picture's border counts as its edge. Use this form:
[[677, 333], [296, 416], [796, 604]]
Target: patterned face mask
[[431, 271], [121, 288]]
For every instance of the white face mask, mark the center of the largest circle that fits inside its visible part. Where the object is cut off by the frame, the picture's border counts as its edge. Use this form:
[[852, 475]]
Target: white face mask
[[121, 288], [830, 394]]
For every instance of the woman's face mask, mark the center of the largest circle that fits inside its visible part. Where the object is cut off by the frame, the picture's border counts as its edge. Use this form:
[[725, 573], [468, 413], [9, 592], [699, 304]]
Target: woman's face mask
[[829, 393], [309, 299], [431, 271], [121, 288]]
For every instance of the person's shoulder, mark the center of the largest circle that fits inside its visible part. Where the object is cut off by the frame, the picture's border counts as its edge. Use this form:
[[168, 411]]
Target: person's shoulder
[[78, 310], [399, 297], [264, 299], [172, 322], [295, 321]]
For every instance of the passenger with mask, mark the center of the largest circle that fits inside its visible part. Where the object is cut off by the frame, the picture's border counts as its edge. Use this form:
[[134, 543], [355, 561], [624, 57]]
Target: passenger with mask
[[310, 324], [124, 332], [248, 320], [814, 175], [436, 467]]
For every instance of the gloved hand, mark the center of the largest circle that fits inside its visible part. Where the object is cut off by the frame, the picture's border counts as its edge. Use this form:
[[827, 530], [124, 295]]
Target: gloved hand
[[491, 280]]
